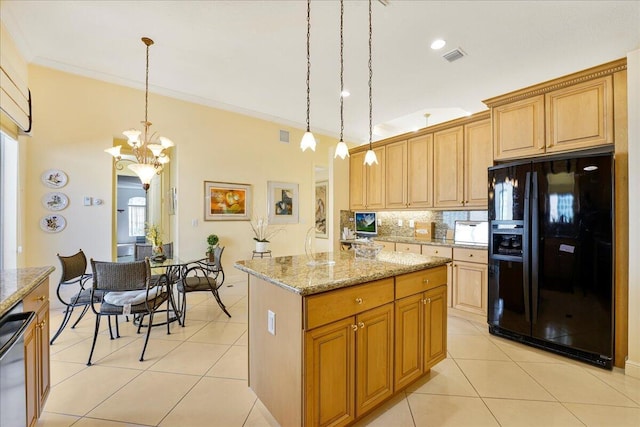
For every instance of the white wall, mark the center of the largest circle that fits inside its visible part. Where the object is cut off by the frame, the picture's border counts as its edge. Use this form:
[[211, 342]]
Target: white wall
[[633, 83]]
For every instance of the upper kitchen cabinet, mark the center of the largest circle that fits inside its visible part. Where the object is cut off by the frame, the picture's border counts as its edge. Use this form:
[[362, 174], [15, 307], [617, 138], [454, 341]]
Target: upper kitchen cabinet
[[448, 158], [367, 183], [569, 113], [580, 116], [519, 128], [461, 156], [409, 173], [477, 158]]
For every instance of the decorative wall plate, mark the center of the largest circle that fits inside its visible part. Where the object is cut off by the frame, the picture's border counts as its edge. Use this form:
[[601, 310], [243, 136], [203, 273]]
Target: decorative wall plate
[[55, 201], [53, 223], [54, 178]]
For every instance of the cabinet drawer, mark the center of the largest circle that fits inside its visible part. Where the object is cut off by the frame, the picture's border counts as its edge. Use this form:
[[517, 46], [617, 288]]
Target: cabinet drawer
[[330, 306], [37, 298], [420, 281], [408, 247], [470, 255], [442, 251], [387, 246]]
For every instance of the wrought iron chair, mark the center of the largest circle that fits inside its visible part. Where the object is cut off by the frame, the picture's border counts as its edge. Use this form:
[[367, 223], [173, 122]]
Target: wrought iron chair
[[202, 276], [72, 281], [126, 288]]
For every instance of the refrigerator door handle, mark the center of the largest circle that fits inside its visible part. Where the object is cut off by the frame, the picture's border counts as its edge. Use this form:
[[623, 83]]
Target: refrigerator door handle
[[535, 241], [525, 248]]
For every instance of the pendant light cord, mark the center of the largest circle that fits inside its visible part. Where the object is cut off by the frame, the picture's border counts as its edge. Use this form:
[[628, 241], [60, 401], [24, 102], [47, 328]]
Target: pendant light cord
[[341, 70], [308, 61], [370, 78]]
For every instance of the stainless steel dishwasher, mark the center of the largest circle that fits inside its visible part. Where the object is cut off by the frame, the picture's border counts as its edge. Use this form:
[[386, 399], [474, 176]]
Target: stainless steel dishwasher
[[13, 404]]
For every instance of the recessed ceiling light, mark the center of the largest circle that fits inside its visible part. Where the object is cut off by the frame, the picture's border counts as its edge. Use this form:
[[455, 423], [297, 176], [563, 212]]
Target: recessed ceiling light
[[345, 93], [438, 44]]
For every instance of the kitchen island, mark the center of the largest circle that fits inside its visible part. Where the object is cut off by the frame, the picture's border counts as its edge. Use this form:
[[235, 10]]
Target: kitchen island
[[333, 337]]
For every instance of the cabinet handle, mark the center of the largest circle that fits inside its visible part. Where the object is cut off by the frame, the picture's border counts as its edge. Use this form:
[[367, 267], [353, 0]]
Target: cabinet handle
[[426, 301], [425, 281], [436, 252], [358, 300], [354, 327], [470, 255], [41, 298], [361, 324]]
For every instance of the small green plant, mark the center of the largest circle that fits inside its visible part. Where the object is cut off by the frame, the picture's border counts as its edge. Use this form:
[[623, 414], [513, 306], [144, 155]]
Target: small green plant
[[212, 240]]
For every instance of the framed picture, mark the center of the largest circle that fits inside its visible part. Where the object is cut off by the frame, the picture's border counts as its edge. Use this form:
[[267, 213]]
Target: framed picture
[[226, 201], [322, 207], [282, 200]]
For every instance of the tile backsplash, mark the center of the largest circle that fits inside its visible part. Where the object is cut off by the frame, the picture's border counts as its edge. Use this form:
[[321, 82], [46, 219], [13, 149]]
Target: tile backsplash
[[445, 220]]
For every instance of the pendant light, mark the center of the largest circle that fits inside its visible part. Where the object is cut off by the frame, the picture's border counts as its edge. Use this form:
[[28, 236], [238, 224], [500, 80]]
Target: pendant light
[[370, 157], [308, 140], [342, 150]]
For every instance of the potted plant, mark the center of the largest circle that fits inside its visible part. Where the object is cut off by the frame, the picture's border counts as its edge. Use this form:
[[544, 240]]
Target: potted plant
[[262, 233], [212, 241], [154, 236]]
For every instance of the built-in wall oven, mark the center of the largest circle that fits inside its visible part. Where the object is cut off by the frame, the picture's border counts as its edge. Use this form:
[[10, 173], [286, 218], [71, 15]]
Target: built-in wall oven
[[13, 403]]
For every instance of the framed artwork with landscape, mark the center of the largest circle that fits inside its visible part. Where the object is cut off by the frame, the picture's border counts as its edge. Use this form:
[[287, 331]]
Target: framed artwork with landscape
[[227, 201], [322, 188], [282, 201]]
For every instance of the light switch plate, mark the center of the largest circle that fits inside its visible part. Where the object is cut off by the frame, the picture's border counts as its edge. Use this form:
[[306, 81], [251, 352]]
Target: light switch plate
[[87, 201]]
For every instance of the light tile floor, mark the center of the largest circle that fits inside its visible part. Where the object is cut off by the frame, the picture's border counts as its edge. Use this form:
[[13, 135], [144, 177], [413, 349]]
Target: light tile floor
[[197, 376]]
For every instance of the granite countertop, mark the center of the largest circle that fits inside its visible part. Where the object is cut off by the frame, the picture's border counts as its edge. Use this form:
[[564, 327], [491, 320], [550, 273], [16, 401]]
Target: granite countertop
[[15, 284], [296, 275]]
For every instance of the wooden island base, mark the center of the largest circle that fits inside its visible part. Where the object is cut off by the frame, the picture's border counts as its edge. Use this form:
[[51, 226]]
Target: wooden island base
[[336, 355]]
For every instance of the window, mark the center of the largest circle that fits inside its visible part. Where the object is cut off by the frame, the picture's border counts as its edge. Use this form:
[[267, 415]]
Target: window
[[137, 207], [8, 201]]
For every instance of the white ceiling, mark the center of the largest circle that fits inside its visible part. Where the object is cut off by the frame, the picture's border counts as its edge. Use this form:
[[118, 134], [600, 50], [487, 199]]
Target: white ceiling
[[250, 57]]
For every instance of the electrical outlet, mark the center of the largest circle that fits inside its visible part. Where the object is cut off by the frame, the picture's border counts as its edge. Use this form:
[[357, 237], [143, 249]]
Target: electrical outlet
[[379, 221], [271, 322], [399, 223], [87, 201], [412, 224]]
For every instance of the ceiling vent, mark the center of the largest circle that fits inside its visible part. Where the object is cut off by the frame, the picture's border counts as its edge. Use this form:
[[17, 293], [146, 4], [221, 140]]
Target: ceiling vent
[[454, 55]]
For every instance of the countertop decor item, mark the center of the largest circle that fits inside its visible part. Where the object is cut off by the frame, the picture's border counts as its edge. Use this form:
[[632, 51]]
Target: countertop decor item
[[150, 152], [53, 223], [54, 178], [55, 201]]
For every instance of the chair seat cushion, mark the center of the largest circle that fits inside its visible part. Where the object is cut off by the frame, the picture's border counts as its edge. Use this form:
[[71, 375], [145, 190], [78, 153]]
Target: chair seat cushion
[[196, 283], [130, 297], [142, 308]]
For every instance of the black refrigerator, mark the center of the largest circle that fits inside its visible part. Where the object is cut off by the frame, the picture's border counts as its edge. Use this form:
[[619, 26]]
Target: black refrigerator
[[551, 260]]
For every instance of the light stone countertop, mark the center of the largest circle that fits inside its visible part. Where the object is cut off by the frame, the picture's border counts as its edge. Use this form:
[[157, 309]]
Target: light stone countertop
[[296, 275], [15, 284], [433, 242]]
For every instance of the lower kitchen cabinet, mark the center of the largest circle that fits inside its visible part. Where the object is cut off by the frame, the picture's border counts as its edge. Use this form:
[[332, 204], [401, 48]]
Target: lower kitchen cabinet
[[420, 322], [37, 352], [470, 280]]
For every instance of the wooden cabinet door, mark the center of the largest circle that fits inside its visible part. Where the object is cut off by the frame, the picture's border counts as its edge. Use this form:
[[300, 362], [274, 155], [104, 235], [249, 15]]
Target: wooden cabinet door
[[478, 156], [470, 287], [396, 175], [448, 167], [518, 128], [435, 318], [420, 172], [31, 374], [374, 357], [42, 346], [357, 181], [408, 340], [375, 181], [330, 374], [387, 246], [580, 116]]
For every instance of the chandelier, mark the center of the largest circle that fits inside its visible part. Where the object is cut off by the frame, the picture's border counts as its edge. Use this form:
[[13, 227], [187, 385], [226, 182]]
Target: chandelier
[[148, 149]]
